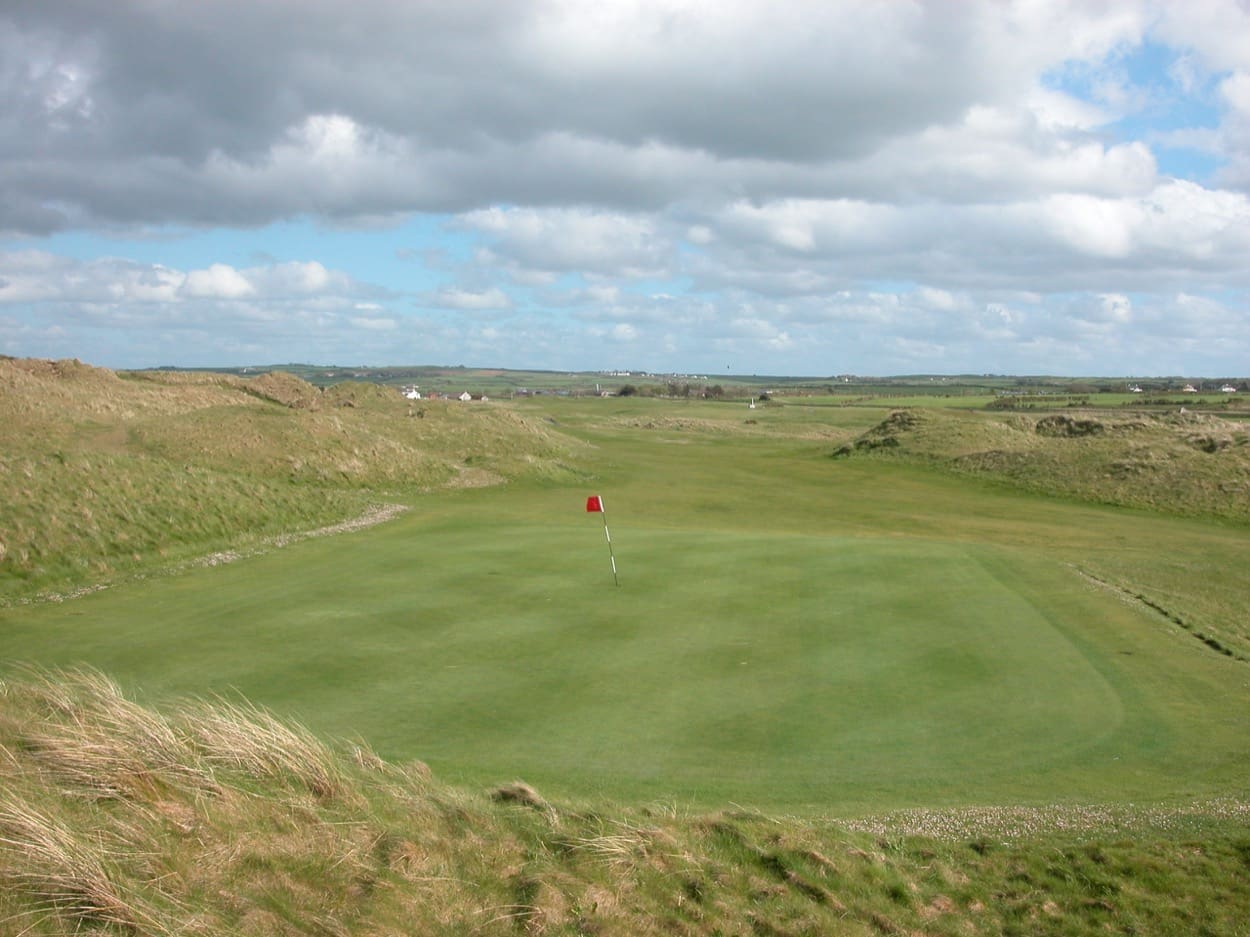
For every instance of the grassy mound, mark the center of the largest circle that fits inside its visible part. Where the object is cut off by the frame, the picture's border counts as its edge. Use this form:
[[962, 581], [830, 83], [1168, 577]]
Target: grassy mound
[[102, 474], [1182, 463], [219, 818]]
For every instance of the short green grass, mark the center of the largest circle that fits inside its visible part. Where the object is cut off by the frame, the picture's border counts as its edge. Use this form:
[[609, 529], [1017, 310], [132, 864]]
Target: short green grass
[[791, 631]]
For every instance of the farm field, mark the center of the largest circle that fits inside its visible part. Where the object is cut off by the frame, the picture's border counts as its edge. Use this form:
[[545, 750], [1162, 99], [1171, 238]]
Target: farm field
[[791, 632]]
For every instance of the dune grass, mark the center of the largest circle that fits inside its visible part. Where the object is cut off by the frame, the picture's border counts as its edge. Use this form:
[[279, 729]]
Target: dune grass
[[219, 818]]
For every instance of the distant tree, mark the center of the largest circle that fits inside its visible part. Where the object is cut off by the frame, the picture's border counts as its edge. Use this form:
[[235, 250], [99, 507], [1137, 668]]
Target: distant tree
[[627, 390], [715, 391]]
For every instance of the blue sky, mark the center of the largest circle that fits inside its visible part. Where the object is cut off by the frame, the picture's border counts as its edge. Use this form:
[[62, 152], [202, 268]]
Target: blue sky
[[870, 187]]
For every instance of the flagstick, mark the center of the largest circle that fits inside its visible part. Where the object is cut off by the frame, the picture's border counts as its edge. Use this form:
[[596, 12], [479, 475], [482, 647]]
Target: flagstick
[[607, 533]]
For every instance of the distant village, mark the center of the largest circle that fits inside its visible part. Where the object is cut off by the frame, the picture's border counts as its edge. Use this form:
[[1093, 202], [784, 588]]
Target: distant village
[[415, 392], [478, 385]]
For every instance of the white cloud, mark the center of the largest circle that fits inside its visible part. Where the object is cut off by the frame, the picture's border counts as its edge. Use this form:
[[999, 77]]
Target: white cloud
[[427, 107], [126, 288], [493, 298], [374, 324], [1117, 308], [220, 281], [1055, 110], [1217, 32], [1099, 227], [553, 240], [936, 299], [805, 225]]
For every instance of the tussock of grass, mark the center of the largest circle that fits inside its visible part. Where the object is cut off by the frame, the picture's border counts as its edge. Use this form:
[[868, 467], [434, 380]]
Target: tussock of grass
[[248, 739], [247, 824], [103, 744]]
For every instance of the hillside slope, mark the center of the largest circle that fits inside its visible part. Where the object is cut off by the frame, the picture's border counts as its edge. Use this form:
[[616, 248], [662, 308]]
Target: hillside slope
[[221, 819], [102, 472], [1179, 463]]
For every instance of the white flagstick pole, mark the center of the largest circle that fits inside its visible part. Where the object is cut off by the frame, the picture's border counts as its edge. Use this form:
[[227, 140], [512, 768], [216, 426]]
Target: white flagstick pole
[[608, 534]]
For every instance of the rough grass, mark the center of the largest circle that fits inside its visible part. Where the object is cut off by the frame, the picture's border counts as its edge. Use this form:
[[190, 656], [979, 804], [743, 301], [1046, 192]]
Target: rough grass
[[104, 474], [1184, 463], [79, 516], [196, 843]]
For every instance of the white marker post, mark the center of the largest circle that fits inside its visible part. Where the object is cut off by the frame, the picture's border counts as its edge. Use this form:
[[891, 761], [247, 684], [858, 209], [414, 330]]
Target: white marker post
[[595, 504]]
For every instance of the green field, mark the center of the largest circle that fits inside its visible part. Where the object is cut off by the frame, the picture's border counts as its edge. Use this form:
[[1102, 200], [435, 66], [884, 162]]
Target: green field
[[791, 632]]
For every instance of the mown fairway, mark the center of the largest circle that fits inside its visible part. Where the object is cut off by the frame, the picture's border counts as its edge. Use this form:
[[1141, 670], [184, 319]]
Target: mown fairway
[[791, 632]]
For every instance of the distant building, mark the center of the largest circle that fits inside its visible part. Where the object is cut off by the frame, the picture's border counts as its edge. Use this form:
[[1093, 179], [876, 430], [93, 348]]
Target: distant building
[[1228, 389], [466, 396], [1189, 389]]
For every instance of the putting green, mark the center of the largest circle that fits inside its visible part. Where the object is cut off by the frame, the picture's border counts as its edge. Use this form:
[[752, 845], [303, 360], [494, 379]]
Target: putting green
[[779, 670]]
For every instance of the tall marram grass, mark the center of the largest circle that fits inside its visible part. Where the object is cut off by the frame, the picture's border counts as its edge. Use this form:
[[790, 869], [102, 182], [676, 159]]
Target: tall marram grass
[[241, 736], [221, 818]]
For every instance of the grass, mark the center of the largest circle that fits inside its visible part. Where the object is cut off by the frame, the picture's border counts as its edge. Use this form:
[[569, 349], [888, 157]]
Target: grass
[[794, 632], [187, 839], [1195, 465], [938, 701], [104, 477]]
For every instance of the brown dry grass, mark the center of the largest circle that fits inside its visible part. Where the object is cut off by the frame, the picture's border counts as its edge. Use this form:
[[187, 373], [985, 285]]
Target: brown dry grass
[[248, 825], [61, 872], [250, 740]]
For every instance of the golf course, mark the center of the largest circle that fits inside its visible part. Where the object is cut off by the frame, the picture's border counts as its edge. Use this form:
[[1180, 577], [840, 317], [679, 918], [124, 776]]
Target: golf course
[[791, 633]]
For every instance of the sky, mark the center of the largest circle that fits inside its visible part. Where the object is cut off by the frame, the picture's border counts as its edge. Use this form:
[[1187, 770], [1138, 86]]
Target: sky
[[717, 187]]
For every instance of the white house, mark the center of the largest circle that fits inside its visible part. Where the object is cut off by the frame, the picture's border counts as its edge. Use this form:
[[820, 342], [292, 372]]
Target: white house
[[466, 396], [1228, 389]]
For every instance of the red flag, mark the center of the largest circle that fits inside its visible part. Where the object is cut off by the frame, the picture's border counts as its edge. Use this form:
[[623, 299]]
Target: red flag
[[594, 504]]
